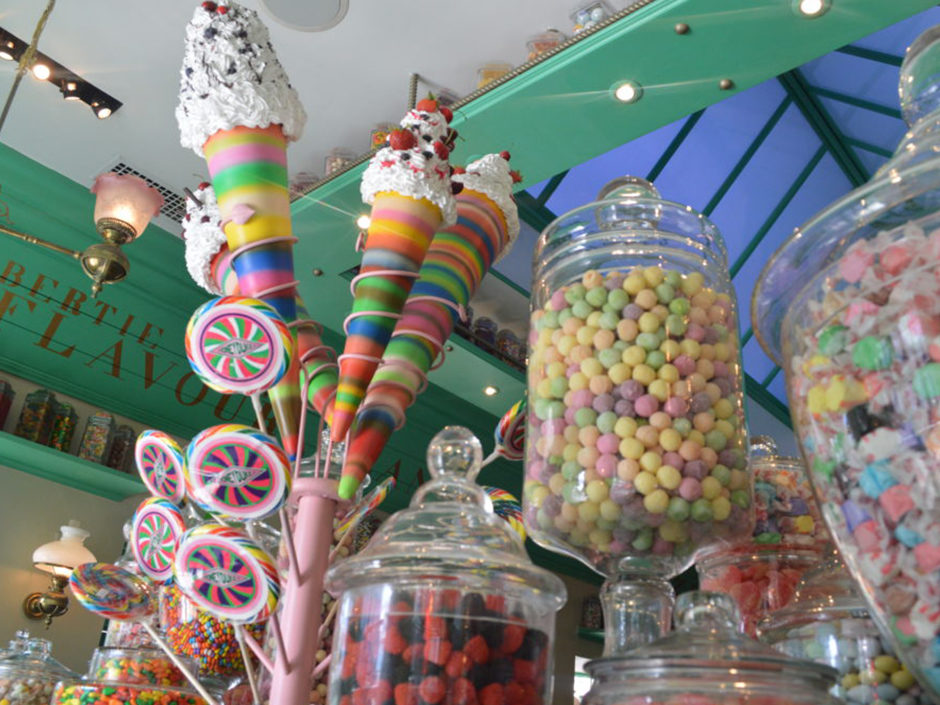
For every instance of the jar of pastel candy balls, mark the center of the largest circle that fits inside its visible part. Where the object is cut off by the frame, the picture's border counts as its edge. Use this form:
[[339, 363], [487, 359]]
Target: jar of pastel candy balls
[[636, 446], [828, 622], [28, 673], [705, 661], [849, 307], [444, 605]]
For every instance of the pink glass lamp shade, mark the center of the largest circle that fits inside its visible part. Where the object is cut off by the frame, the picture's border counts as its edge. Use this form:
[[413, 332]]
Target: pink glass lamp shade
[[124, 206]]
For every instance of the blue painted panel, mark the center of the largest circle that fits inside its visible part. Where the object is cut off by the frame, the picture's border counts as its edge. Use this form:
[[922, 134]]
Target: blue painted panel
[[634, 158], [778, 387], [854, 76], [756, 363], [535, 189], [871, 161], [719, 139], [896, 38], [875, 128], [516, 265], [764, 181]]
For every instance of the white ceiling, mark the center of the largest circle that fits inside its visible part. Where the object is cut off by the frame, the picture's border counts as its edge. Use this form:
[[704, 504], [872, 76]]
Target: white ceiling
[[349, 77]]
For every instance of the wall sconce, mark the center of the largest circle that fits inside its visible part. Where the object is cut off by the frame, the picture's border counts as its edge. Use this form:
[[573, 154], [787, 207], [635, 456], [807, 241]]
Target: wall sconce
[[57, 558], [123, 208]]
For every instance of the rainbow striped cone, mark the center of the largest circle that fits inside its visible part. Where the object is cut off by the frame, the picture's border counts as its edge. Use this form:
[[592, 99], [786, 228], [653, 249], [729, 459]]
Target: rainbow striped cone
[[456, 263], [248, 167], [399, 235]]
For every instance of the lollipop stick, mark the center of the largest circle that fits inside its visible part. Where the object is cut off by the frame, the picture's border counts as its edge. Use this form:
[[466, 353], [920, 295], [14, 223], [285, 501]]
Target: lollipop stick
[[184, 669], [490, 458], [345, 537], [327, 621], [259, 413], [257, 650], [246, 657], [322, 666]]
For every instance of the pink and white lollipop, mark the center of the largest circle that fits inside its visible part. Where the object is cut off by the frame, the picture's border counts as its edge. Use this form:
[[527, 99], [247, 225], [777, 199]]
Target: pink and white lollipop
[[155, 534], [510, 434], [237, 471], [160, 464]]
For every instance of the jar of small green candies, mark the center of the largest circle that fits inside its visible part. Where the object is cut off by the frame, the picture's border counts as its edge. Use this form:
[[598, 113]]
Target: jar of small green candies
[[636, 446]]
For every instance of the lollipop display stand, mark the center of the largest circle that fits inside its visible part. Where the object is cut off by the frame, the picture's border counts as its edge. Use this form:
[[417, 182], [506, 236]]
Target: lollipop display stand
[[637, 459]]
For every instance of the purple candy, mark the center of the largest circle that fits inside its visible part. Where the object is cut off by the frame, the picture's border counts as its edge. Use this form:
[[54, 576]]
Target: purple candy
[[711, 336], [624, 407], [621, 534], [721, 368], [685, 365], [854, 514], [614, 281], [603, 402], [631, 390], [729, 457], [695, 468], [661, 546], [632, 311], [723, 384], [676, 407], [695, 332], [552, 505], [700, 402]]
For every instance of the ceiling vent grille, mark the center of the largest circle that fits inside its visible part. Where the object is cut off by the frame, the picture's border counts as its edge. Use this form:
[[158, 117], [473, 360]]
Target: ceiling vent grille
[[174, 206]]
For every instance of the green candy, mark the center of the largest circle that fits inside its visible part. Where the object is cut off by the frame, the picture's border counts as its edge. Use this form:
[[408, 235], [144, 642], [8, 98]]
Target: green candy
[[833, 340], [575, 292], [618, 298], [555, 410], [549, 320], [702, 510], [741, 498], [680, 307], [605, 524], [609, 357], [581, 309], [572, 493], [563, 316], [597, 296], [675, 324], [722, 474], [570, 469], [716, 440], [665, 293], [643, 540], [655, 359], [606, 422], [585, 416], [683, 426], [673, 279], [872, 353], [927, 381], [647, 341], [824, 468], [609, 320], [559, 385], [678, 509], [722, 332], [540, 407]]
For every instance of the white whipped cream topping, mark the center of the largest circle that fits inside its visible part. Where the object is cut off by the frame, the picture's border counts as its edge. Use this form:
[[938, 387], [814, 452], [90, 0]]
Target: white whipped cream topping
[[204, 238], [417, 172], [231, 76], [490, 176]]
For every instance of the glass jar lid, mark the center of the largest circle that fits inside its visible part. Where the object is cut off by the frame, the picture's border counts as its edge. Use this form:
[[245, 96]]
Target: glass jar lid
[[706, 648], [32, 657], [449, 532]]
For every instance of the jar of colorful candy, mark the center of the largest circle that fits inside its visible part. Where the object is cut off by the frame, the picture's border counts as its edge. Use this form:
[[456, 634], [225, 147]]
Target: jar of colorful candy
[[6, 401], [338, 159], [28, 673], [121, 452], [707, 662], [850, 309], [484, 331], [71, 692], [490, 71], [126, 665], [590, 15], [444, 604], [63, 427], [96, 440], [828, 622], [379, 134], [36, 417], [636, 446], [543, 43]]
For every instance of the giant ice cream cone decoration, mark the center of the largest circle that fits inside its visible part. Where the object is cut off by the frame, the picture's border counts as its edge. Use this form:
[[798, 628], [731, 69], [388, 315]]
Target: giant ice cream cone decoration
[[209, 262], [238, 109], [458, 259], [408, 185]]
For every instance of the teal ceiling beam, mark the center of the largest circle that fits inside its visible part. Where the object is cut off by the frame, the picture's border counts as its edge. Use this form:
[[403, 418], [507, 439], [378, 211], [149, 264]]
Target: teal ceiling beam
[[777, 211], [533, 212], [881, 57], [748, 155], [824, 126], [551, 187], [674, 145], [868, 147], [857, 102], [748, 334], [774, 406], [770, 376]]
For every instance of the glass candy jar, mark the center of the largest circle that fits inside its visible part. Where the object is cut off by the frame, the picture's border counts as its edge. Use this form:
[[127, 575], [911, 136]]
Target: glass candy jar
[[789, 538], [135, 665], [444, 600], [636, 447], [828, 622], [28, 673], [707, 662], [849, 307]]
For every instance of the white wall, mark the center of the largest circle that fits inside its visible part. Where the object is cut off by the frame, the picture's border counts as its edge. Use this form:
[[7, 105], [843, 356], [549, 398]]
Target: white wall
[[31, 511]]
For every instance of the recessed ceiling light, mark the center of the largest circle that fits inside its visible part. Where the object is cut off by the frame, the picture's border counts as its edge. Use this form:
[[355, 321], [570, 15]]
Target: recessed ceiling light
[[6, 50], [627, 92], [102, 111], [490, 391], [363, 222], [70, 90], [811, 8], [41, 71]]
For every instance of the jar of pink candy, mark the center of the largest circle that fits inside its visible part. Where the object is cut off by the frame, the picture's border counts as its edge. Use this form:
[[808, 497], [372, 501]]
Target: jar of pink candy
[[761, 572], [850, 308], [705, 661], [636, 447]]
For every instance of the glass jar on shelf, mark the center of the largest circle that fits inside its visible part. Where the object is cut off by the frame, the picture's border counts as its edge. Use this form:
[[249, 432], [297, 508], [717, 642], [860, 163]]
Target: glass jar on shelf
[[543, 42], [6, 401], [28, 673], [144, 666], [63, 427], [484, 331], [35, 423], [444, 602], [121, 453], [490, 71], [379, 135], [849, 307], [587, 16], [96, 440], [636, 444], [338, 159]]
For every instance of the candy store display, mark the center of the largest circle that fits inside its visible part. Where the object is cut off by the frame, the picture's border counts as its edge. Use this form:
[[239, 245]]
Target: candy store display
[[160, 464], [135, 666], [828, 622], [96, 440], [789, 538], [122, 448], [590, 15], [706, 661], [490, 71], [543, 43], [848, 308], [510, 345], [28, 673], [35, 422], [154, 537], [450, 607], [379, 135], [485, 330], [86, 693], [63, 427], [6, 401], [636, 447], [338, 159]]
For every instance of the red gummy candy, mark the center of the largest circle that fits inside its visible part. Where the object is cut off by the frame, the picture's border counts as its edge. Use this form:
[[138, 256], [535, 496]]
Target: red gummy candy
[[432, 689], [532, 696], [493, 695], [437, 651], [413, 653], [406, 694], [477, 649], [394, 642], [458, 664], [525, 671], [366, 675], [462, 692], [513, 636], [495, 603], [435, 628], [350, 659], [515, 693]]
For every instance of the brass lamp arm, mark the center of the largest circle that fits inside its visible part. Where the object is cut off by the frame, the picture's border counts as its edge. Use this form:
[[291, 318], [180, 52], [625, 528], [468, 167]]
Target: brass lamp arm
[[37, 241]]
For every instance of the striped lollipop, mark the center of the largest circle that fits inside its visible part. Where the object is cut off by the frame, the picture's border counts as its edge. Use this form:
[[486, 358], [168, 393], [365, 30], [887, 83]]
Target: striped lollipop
[[111, 592], [160, 464], [155, 534], [238, 345], [510, 434], [226, 574], [507, 507], [237, 471]]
